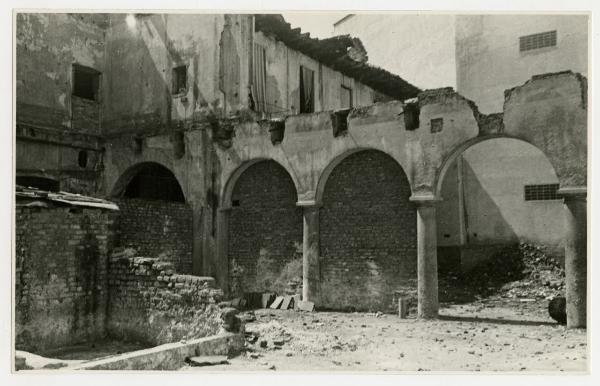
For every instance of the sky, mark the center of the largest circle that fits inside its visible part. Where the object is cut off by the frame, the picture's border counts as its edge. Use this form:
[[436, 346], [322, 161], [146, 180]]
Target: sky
[[320, 25]]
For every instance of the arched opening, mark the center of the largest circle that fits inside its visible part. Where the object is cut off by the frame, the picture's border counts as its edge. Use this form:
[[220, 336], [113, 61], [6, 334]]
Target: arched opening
[[154, 218], [499, 201], [152, 181], [265, 231], [367, 234]]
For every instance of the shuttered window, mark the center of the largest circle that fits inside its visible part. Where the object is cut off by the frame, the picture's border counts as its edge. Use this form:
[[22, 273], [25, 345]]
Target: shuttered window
[[541, 192], [346, 97], [535, 41], [307, 90], [259, 83]]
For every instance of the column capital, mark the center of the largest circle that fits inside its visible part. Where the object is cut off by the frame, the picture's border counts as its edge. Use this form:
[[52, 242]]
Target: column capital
[[309, 204], [573, 192], [424, 199]]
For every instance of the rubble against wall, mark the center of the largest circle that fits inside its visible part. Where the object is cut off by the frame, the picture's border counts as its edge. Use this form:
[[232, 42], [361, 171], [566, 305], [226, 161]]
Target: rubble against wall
[[151, 303]]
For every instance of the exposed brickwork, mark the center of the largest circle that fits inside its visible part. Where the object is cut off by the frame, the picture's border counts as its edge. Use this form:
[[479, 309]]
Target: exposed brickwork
[[265, 230], [152, 304], [61, 283], [157, 228], [85, 114], [368, 234]]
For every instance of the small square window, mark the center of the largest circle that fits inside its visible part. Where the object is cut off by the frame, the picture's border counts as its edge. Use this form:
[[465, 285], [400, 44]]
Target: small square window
[[437, 124], [179, 80], [86, 82]]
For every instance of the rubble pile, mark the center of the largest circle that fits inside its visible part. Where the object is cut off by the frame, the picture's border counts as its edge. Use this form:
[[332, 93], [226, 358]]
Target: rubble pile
[[543, 276], [523, 271]]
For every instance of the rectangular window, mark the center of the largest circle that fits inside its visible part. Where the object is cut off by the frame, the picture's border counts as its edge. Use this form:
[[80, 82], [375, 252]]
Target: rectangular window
[[437, 124], [86, 82], [179, 80], [259, 83], [535, 41], [541, 192], [346, 97], [307, 90]]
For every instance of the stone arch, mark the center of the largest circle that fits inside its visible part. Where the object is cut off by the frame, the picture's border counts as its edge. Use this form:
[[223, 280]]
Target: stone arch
[[264, 232], [154, 218], [324, 176], [483, 207], [367, 233], [233, 177], [153, 181], [461, 148]]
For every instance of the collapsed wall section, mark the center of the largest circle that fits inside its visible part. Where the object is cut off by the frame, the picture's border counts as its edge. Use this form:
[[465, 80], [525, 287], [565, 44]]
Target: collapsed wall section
[[151, 303]]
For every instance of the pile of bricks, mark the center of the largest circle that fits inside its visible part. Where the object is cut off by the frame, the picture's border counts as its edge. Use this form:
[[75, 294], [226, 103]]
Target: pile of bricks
[[151, 303]]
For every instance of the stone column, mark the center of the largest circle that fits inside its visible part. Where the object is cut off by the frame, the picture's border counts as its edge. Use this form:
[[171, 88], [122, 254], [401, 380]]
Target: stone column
[[427, 275], [311, 276], [575, 255]]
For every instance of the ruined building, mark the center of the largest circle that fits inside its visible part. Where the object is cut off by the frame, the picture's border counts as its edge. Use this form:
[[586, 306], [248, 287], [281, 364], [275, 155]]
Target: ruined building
[[241, 149]]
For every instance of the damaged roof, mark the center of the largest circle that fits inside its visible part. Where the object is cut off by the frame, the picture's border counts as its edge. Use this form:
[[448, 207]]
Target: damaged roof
[[29, 196], [342, 53]]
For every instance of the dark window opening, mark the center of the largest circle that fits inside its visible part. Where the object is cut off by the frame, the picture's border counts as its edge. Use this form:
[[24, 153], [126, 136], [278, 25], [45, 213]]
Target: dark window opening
[[346, 97], [154, 182], [179, 80], [86, 82], [437, 124], [541, 192], [235, 202], [82, 158], [535, 41], [307, 90], [39, 183]]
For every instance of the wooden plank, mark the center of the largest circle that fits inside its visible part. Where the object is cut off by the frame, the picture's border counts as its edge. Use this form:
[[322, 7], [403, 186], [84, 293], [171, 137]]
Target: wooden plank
[[277, 302], [286, 302], [306, 306]]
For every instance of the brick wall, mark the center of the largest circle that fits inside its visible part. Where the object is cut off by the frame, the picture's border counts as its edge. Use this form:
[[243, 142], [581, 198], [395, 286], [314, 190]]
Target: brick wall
[[61, 283], [152, 304], [158, 229], [368, 234], [265, 231]]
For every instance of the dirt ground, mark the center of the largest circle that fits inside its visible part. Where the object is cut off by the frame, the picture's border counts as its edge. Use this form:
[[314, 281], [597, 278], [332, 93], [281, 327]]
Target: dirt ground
[[484, 335]]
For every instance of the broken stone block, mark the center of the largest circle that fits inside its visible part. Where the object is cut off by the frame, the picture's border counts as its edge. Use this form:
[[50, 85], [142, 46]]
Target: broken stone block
[[231, 322], [557, 308]]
